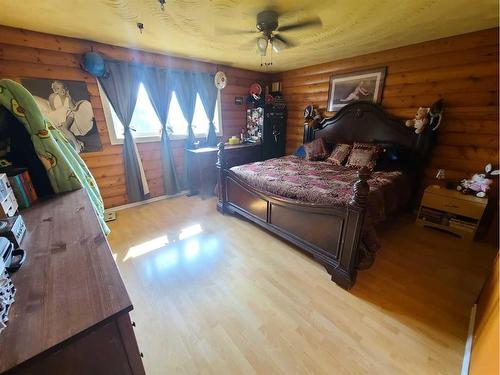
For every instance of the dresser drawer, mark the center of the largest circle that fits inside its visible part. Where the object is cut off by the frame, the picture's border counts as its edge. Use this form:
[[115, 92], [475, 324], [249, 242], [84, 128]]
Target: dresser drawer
[[453, 205]]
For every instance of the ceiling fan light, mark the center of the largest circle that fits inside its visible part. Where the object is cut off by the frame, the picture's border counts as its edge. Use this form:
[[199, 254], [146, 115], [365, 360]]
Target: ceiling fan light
[[262, 45], [278, 45]]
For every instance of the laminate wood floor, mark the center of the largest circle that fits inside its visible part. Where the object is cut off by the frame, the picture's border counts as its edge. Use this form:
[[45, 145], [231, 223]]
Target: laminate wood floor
[[215, 294]]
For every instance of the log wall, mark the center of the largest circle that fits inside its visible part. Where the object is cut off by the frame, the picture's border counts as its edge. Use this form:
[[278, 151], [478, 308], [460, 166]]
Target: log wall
[[30, 54], [462, 70]]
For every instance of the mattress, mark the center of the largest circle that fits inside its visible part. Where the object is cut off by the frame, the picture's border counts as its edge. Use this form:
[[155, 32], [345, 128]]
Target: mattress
[[323, 183]]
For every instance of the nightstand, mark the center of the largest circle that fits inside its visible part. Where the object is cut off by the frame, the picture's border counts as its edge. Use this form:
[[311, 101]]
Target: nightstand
[[202, 176], [451, 211]]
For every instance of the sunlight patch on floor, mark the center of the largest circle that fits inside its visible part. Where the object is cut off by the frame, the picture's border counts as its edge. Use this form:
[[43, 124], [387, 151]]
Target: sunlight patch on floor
[[190, 231], [191, 250], [146, 247]]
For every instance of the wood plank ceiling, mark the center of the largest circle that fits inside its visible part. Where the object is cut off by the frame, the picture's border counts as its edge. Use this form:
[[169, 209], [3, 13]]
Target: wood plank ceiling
[[205, 30]]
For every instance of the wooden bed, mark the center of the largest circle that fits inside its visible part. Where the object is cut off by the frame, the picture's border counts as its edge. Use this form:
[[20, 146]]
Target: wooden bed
[[330, 233]]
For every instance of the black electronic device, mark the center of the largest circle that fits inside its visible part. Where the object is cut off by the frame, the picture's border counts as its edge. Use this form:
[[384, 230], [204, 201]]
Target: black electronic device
[[13, 228], [13, 259]]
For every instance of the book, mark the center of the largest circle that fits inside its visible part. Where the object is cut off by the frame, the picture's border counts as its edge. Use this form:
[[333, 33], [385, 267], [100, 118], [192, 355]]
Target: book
[[19, 193], [29, 189]]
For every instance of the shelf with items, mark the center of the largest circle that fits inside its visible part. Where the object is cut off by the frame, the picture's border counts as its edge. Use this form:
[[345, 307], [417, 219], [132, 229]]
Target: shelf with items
[[451, 211]]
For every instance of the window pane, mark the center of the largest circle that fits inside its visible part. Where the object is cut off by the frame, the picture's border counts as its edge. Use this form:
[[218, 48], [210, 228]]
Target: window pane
[[200, 119], [144, 119], [176, 122], [216, 116]]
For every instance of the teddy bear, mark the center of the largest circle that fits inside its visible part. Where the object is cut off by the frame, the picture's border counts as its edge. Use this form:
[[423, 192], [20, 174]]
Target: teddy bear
[[420, 121]]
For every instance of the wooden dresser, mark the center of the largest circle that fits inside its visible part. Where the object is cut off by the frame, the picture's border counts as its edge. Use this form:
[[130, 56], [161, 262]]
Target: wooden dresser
[[71, 310], [202, 172]]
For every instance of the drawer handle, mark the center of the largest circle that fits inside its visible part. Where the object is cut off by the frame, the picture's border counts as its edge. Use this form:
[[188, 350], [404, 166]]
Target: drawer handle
[[451, 206], [142, 355]]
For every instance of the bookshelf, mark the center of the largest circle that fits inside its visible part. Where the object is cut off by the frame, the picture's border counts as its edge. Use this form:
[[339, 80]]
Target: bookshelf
[[451, 211]]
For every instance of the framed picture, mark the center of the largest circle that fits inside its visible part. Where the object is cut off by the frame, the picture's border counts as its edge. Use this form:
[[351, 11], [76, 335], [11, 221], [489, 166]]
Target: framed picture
[[364, 85], [66, 104]]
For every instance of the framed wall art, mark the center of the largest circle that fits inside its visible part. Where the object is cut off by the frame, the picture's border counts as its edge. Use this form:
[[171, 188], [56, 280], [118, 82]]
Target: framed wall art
[[67, 105], [366, 85]]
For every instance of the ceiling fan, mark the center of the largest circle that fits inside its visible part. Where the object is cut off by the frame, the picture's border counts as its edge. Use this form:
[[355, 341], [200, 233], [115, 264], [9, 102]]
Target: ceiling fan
[[271, 32]]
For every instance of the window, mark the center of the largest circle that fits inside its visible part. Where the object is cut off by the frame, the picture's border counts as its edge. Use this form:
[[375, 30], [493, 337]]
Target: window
[[177, 124], [146, 124]]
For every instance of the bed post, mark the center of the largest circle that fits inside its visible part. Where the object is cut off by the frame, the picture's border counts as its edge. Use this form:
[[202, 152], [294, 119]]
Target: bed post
[[361, 189], [345, 274], [221, 181]]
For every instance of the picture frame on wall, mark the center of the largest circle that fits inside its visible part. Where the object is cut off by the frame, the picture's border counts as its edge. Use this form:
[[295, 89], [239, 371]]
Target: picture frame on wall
[[365, 85], [66, 104]]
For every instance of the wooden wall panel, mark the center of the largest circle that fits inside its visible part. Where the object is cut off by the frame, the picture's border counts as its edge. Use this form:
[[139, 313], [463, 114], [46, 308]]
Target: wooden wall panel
[[30, 54], [462, 70]]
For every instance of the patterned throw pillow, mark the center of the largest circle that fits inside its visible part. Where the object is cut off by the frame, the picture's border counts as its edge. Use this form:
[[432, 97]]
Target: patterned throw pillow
[[316, 150], [363, 155], [339, 154]]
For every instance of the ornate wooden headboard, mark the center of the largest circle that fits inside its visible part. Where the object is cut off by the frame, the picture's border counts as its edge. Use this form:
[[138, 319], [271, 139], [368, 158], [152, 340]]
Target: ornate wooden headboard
[[368, 122]]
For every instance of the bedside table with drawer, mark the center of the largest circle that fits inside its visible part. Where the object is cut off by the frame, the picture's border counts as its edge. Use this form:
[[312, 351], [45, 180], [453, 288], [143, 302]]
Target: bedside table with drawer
[[451, 211]]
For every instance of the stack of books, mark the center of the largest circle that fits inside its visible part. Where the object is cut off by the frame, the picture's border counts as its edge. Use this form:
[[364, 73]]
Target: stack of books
[[22, 186], [447, 219]]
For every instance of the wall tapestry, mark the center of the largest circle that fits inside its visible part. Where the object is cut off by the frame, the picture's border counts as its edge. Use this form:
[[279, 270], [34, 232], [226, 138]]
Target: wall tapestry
[[67, 105], [364, 85]]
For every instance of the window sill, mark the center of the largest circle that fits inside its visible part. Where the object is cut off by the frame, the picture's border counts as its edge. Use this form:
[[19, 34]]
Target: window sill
[[157, 138]]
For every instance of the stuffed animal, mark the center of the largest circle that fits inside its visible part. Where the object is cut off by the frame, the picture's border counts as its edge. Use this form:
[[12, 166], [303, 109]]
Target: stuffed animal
[[420, 121], [311, 116], [480, 183]]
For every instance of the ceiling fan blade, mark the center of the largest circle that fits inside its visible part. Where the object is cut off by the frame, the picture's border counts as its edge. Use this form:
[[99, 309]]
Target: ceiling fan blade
[[235, 31], [312, 22], [252, 43], [288, 43]]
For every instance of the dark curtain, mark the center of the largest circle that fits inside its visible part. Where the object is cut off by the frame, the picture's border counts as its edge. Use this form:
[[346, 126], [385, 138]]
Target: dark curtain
[[208, 95], [185, 91], [159, 85], [121, 88]]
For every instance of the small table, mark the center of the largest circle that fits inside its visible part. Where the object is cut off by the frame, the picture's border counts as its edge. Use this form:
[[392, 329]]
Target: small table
[[451, 211], [202, 176]]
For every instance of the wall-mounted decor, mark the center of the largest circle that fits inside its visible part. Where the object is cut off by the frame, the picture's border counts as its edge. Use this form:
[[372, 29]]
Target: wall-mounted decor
[[67, 105], [220, 80], [366, 85], [238, 100], [255, 121]]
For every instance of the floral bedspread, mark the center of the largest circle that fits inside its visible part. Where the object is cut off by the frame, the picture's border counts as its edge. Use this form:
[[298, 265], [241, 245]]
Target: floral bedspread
[[327, 184]]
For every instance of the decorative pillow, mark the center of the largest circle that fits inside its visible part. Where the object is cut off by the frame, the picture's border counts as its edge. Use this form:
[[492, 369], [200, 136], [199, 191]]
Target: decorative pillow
[[316, 150], [300, 152], [339, 154], [363, 155]]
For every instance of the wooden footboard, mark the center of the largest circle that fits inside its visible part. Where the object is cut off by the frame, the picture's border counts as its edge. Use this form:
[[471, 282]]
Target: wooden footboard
[[331, 234]]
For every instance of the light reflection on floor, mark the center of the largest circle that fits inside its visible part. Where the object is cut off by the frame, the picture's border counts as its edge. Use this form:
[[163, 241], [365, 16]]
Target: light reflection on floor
[[191, 249]]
